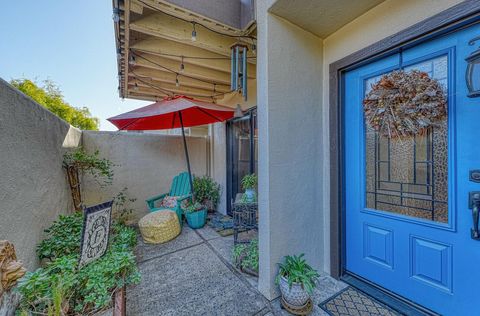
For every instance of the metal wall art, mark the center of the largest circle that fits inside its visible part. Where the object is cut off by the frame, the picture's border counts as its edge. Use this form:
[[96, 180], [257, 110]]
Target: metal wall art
[[95, 234]]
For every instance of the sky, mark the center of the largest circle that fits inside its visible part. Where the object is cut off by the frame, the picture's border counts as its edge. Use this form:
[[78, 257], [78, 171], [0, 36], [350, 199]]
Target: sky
[[69, 42]]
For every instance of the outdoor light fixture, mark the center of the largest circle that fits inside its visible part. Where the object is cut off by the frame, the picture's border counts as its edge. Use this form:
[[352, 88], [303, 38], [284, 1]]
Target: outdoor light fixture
[[473, 71], [182, 66], [194, 33], [177, 83], [132, 60], [238, 79], [116, 15], [238, 112], [135, 88]]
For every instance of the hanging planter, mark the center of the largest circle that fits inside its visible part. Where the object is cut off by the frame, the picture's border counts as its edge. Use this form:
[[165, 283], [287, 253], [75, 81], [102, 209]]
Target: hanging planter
[[405, 103]]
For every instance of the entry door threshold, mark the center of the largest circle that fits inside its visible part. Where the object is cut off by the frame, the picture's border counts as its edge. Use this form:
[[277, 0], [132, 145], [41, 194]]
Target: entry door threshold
[[392, 300]]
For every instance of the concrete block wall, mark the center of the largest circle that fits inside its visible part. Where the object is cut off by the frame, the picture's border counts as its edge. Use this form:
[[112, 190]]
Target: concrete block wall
[[33, 186]]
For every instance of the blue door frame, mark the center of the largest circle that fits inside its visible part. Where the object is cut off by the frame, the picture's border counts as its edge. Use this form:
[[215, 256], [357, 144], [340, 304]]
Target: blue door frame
[[427, 262]]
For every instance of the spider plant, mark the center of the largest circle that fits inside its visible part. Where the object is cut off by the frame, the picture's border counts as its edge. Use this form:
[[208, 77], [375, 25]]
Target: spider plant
[[296, 270]]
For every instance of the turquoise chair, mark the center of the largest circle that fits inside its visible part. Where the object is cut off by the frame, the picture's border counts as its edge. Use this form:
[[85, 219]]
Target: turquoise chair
[[180, 187]]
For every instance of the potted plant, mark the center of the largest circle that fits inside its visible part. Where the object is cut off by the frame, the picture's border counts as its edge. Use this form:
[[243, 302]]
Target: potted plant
[[207, 192], [249, 184], [296, 279], [195, 213], [245, 257]]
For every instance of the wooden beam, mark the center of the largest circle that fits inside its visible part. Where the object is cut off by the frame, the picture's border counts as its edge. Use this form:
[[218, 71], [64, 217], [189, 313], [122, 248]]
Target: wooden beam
[[163, 64], [166, 6], [126, 47], [164, 26], [166, 48], [168, 77], [154, 95], [170, 87]]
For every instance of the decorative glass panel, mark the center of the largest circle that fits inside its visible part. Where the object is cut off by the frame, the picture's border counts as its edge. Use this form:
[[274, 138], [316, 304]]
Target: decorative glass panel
[[409, 176]]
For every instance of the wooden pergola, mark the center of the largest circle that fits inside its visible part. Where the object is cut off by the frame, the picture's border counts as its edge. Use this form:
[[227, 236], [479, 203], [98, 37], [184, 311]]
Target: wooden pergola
[[157, 56]]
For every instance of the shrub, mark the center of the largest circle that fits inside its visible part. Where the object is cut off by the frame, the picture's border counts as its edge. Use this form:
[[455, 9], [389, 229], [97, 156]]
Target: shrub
[[60, 284], [206, 190], [246, 255]]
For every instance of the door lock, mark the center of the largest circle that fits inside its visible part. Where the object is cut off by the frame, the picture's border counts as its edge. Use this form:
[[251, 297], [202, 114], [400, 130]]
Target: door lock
[[474, 205]]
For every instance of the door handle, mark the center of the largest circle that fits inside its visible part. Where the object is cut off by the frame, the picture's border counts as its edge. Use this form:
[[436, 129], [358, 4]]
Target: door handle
[[474, 203]]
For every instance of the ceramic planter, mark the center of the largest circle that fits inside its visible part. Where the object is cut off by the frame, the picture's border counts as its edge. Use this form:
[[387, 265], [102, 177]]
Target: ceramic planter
[[196, 219], [250, 195], [294, 295]]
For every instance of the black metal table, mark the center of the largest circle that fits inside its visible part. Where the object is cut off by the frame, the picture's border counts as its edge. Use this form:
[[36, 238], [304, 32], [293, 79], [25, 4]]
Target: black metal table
[[245, 217]]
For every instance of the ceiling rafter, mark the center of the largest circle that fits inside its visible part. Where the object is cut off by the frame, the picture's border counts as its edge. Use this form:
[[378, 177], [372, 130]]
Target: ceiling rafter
[[168, 77], [171, 50]]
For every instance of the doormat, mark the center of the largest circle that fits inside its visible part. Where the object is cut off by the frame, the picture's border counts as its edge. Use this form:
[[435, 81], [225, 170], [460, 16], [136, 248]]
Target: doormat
[[352, 302], [222, 224]]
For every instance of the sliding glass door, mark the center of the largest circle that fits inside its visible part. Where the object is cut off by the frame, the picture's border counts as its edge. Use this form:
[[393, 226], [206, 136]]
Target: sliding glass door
[[242, 145]]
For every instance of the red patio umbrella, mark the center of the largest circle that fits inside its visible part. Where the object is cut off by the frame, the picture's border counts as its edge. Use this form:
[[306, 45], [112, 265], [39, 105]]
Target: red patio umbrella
[[173, 112]]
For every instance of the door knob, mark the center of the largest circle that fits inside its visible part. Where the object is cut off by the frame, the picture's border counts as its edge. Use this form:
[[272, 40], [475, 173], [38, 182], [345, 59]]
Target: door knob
[[474, 204]]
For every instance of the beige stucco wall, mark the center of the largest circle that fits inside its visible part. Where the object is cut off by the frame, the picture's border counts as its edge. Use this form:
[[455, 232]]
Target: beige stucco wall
[[388, 18], [33, 186], [289, 81], [145, 163]]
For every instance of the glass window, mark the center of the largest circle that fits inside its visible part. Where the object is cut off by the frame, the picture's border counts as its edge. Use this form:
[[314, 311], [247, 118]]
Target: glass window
[[409, 176]]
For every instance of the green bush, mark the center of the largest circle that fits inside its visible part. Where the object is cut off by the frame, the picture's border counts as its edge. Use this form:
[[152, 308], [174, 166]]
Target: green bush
[[246, 255], [82, 290], [206, 189]]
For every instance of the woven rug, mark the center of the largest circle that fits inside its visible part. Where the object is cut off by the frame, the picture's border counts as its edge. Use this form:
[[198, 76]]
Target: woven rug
[[351, 302], [222, 224]]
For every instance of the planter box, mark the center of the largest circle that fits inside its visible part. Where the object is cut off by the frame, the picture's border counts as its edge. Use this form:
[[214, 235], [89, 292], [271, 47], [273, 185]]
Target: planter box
[[196, 219]]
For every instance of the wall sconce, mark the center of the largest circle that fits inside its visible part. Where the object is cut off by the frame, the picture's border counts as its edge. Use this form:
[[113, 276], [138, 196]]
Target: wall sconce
[[472, 75]]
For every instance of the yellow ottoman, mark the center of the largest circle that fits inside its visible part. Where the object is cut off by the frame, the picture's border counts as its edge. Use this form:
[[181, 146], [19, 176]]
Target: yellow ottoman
[[159, 227]]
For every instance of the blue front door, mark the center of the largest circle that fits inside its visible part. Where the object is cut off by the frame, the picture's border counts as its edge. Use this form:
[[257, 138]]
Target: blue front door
[[406, 200]]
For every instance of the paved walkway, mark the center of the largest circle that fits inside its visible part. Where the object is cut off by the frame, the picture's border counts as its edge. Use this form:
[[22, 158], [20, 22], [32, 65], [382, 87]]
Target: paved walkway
[[193, 275]]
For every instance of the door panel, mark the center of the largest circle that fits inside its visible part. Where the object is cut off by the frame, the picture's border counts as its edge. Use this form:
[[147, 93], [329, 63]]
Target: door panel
[[407, 218]]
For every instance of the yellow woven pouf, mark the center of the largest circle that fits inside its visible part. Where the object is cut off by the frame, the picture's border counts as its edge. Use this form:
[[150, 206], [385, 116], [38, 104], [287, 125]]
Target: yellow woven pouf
[[159, 227]]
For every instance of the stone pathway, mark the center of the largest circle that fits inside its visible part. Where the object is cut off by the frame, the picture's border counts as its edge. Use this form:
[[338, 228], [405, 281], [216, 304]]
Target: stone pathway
[[193, 275]]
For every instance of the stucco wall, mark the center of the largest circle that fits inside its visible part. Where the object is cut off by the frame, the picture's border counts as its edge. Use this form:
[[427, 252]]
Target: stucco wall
[[219, 162], [388, 18], [33, 186], [289, 77], [145, 164]]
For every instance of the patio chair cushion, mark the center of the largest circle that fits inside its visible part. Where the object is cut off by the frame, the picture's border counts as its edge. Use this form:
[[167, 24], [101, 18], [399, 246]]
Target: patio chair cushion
[[159, 227], [170, 201]]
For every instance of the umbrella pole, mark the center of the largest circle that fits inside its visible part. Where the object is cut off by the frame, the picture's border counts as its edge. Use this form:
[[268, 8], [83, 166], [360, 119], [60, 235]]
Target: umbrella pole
[[186, 155]]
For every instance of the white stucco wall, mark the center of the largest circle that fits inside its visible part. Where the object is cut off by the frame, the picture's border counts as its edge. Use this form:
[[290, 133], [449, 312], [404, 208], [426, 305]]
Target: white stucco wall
[[145, 163], [33, 185], [388, 18], [289, 76]]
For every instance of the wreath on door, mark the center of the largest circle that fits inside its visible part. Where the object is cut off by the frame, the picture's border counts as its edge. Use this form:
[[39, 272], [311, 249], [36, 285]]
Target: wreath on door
[[405, 103]]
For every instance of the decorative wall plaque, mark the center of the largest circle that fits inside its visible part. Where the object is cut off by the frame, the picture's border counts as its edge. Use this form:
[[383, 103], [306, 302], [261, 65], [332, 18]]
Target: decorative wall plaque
[[95, 234]]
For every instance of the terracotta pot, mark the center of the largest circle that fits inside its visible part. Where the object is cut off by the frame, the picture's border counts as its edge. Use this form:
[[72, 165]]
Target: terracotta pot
[[295, 295]]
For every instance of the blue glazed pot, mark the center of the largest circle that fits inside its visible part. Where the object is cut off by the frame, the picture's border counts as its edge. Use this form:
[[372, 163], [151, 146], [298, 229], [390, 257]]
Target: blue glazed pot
[[197, 219], [250, 195]]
